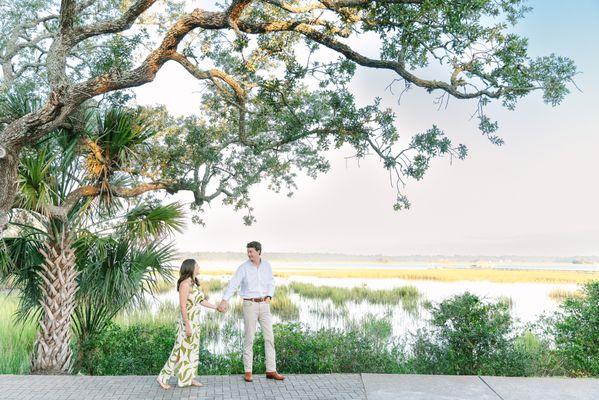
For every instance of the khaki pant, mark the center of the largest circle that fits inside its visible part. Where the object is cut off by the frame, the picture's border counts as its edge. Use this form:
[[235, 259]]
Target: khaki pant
[[260, 312]]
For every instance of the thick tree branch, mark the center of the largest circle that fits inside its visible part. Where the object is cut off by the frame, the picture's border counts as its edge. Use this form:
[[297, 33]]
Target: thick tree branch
[[233, 13], [71, 200], [212, 74], [360, 59], [18, 40], [124, 22], [334, 5], [64, 99], [67, 16]]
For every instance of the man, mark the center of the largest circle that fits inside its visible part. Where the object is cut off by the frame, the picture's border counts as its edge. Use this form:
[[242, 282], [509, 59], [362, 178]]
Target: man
[[257, 288]]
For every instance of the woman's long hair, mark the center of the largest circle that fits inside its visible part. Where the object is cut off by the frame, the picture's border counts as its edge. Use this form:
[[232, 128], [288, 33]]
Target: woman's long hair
[[186, 271]]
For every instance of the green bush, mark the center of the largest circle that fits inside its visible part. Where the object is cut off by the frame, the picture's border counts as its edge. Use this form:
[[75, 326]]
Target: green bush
[[536, 357], [134, 350], [300, 350], [576, 332], [467, 337], [143, 350]]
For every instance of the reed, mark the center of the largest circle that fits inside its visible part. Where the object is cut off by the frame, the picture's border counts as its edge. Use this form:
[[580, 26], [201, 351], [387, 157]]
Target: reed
[[562, 294], [208, 285], [167, 313], [507, 300], [282, 305], [163, 286], [341, 295], [212, 285], [329, 311]]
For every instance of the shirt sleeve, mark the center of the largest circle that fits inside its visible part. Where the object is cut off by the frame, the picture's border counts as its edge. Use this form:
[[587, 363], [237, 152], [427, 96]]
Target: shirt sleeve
[[234, 283], [270, 285]]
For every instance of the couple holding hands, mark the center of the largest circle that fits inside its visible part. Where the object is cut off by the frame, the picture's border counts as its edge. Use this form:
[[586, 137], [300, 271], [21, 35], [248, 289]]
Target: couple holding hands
[[257, 284]]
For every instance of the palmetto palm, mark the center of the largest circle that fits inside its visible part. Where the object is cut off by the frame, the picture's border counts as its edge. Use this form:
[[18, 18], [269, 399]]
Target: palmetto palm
[[78, 254]]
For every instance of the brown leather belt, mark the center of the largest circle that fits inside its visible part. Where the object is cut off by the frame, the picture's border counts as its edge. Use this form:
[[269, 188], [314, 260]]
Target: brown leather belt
[[257, 299]]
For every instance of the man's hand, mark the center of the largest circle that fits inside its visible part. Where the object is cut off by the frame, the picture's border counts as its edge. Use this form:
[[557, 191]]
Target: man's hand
[[223, 306]]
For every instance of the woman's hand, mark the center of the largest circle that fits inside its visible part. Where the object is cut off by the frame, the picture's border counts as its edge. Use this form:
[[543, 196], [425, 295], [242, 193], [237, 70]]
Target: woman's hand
[[207, 304], [188, 330]]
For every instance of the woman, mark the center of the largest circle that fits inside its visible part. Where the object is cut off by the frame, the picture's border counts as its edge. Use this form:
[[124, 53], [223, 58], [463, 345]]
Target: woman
[[183, 361]]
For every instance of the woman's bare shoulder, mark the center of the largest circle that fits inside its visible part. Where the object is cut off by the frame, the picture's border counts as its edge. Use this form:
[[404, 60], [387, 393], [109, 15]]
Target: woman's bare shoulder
[[186, 283]]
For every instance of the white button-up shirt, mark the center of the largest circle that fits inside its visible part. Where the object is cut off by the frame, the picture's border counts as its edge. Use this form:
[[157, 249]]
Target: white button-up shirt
[[255, 281]]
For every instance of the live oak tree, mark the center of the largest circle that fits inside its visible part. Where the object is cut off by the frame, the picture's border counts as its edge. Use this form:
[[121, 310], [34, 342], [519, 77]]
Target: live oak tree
[[277, 76], [66, 53]]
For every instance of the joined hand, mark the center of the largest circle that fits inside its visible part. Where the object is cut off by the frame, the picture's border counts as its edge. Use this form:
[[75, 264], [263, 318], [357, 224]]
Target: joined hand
[[223, 306]]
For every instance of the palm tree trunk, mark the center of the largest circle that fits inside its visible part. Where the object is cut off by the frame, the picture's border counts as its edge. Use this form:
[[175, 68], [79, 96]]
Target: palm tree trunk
[[52, 354]]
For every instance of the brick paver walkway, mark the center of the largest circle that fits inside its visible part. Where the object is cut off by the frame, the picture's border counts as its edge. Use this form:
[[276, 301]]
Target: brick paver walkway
[[305, 387]]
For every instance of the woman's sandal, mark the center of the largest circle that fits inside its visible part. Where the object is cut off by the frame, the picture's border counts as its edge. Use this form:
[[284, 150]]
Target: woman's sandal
[[163, 385], [196, 383]]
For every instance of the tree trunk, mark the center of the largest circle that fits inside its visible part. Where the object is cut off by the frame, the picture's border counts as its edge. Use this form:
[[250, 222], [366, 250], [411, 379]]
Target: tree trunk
[[52, 354], [9, 166]]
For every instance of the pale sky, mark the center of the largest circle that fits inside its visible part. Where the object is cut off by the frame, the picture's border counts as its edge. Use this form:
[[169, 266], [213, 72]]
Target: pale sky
[[536, 195]]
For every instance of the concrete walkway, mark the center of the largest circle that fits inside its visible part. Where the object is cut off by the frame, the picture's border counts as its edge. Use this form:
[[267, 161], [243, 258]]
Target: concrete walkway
[[323, 386]]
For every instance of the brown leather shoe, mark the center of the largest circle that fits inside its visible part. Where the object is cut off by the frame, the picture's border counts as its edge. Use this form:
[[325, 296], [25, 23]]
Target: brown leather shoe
[[274, 375], [248, 377]]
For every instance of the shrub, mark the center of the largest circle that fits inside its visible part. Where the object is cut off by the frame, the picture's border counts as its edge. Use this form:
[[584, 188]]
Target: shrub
[[134, 350], [467, 337], [576, 332], [143, 350]]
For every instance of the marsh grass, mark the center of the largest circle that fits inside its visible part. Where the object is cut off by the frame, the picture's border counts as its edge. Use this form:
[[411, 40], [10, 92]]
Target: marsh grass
[[339, 295], [507, 300], [327, 310], [282, 305], [563, 294], [212, 285], [167, 313], [208, 285], [439, 274], [16, 339], [164, 286]]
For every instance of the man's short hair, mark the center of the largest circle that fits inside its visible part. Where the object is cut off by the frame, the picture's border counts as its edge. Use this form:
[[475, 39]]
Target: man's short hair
[[256, 246]]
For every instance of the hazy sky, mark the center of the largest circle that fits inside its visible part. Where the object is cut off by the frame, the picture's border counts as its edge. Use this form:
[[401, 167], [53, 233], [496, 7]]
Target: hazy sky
[[536, 195]]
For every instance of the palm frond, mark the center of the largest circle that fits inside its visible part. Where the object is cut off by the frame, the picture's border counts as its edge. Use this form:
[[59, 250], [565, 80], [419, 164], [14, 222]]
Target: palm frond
[[37, 185], [15, 104], [120, 133], [153, 221], [115, 273], [20, 261]]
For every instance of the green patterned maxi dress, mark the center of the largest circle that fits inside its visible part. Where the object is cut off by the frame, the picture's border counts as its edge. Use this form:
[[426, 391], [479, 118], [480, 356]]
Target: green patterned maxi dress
[[183, 361]]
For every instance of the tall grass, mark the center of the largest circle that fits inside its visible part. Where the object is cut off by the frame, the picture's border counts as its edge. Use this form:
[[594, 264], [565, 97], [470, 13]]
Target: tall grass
[[16, 339], [563, 294], [282, 305], [168, 312], [163, 286], [330, 311], [208, 286], [212, 285], [341, 295]]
